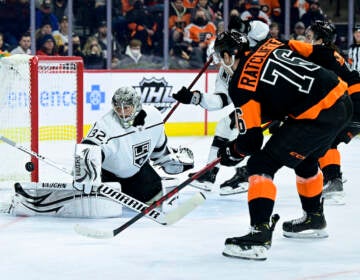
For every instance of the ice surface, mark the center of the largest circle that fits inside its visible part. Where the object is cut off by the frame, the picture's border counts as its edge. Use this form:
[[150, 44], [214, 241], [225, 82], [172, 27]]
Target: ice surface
[[48, 248]]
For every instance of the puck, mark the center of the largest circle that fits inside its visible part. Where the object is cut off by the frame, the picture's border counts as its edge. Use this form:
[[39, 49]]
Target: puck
[[29, 166]]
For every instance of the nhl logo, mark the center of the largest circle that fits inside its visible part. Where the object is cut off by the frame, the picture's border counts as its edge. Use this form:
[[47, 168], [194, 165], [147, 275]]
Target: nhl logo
[[156, 92]]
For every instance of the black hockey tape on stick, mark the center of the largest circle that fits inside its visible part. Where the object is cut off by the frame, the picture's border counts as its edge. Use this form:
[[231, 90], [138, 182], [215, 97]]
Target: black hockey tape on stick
[[94, 233], [206, 65]]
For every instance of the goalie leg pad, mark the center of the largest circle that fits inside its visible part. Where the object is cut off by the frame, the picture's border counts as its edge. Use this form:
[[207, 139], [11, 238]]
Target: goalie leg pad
[[33, 199]]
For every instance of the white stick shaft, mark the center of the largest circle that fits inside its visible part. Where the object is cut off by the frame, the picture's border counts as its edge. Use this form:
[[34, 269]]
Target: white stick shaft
[[34, 154]]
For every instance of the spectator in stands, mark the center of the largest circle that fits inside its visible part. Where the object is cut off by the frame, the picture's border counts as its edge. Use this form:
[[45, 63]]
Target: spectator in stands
[[141, 26], [354, 50], [200, 32], [60, 8], [24, 44], [204, 6], [271, 8], [294, 14], [314, 13], [275, 31], [93, 55], [179, 17], [101, 35], [47, 46], [190, 4], [4, 47], [76, 44], [61, 36], [134, 59], [44, 13], [253, 12], [184, 56], [302, 6], [299, 31], [14, 19], [45, 29], [217, 6], [239, 5]]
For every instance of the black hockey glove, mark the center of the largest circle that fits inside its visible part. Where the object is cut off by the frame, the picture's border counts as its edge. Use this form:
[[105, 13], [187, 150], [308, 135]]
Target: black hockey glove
[[228, 156], [186, 96]]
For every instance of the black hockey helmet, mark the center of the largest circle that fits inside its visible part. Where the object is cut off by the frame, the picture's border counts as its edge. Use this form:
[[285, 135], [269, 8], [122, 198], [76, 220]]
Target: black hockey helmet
[[324, 30], [236, 23], [231, 42]]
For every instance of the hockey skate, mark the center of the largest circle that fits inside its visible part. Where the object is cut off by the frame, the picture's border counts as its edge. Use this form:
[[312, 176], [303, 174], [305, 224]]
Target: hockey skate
[[254, 245], [310, 225], [206, 181], [237, 184], [333, 191]]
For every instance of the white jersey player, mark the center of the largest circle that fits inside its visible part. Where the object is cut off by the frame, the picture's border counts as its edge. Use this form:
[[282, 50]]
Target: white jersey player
[[129, 136], [119, 147], [226, 128]]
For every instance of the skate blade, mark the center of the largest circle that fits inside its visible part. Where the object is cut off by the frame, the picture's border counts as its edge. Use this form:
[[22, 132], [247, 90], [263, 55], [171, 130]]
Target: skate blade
[[307, 234], [334, 198], [258, 253], [231, 191], [201, 186]]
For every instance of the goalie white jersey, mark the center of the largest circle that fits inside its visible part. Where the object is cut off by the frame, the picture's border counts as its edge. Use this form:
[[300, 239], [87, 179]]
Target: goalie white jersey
[[125, 150]]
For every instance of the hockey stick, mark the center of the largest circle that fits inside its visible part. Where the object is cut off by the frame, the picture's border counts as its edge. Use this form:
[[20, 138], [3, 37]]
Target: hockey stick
[[111, 193], [34, 154], [105, 190], [206, 65], [102, 234]]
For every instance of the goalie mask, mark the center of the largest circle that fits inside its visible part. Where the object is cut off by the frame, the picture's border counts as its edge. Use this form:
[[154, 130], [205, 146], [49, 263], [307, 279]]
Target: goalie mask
[[233, 43], [126, 103]]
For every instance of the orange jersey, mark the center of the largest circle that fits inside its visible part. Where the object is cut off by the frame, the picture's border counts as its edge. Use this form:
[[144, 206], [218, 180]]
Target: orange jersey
[[270, 7], [179, 19], [330, 59], [272, 83], [190, 3], [197, 34]]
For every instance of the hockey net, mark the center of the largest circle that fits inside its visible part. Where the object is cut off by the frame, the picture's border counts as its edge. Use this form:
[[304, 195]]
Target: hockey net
[[41, 110]]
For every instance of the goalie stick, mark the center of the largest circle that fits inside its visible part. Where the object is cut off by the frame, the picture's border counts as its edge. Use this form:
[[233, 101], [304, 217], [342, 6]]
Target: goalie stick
[[115, 195], [194, 201], [206, 65], [34, 154]]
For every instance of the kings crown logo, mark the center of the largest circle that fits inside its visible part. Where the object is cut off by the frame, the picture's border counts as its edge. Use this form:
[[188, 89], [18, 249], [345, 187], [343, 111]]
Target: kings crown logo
[[156, 92]]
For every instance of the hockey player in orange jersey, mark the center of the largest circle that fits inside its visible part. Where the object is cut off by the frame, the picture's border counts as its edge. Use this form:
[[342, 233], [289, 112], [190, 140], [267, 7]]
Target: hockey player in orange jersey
[[274, 83]]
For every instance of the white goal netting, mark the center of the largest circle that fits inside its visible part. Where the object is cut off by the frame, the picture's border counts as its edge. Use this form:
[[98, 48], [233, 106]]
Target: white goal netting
[[40, 110]]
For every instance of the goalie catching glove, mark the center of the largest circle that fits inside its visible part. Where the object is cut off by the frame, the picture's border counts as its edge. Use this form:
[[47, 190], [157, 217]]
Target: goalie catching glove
[[228, 154], [186, 96], [176, 161]]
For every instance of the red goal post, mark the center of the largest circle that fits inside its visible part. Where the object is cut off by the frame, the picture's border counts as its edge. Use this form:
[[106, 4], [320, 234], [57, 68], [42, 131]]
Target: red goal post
[[42, 100]]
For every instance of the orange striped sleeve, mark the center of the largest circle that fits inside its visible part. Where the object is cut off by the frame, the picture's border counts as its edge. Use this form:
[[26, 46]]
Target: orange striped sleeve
[[305, 49], [332, 156], [261, 187], [251, 114], [310, 187], [324, 103], [354, 88]]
